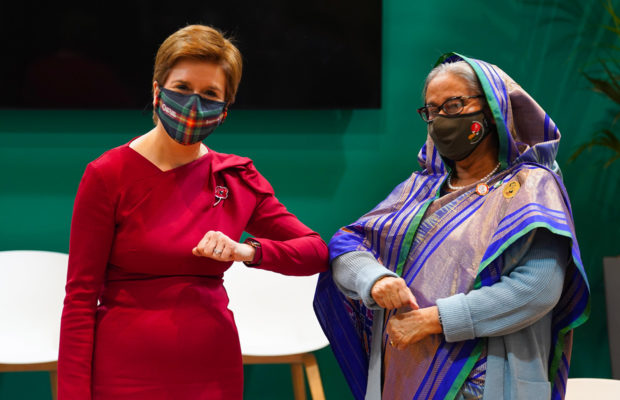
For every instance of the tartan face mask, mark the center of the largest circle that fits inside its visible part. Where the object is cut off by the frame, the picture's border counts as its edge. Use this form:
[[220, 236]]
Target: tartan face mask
[[188, 119]]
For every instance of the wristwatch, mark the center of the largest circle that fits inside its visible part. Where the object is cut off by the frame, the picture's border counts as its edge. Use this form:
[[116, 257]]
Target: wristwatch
[[258, 253]]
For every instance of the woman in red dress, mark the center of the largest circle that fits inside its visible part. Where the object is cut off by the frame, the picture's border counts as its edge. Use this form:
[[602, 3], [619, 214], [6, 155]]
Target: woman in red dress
[[156, 223]]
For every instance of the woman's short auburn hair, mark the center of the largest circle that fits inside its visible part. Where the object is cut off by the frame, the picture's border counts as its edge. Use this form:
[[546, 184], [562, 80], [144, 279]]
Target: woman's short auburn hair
[[200, 42]]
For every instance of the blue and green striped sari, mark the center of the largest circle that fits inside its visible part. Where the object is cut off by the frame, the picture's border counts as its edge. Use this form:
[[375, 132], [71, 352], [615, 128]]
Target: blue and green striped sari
[[452, 244]]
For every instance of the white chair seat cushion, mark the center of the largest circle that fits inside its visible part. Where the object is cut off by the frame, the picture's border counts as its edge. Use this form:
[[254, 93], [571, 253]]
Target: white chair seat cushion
[[273, 312], [592, 389], [32, 290]]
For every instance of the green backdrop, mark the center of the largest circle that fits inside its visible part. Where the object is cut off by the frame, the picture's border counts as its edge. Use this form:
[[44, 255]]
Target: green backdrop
[[329, 167]]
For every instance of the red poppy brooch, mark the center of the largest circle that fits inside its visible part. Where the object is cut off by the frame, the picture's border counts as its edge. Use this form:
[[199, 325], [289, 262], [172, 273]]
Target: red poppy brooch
[[221, 193]]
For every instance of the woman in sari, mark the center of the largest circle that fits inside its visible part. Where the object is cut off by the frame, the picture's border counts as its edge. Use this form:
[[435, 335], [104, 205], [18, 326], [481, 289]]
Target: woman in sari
[[466, 281]]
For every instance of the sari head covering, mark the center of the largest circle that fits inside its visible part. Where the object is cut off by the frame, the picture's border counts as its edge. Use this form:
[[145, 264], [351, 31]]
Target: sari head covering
[[392, 232]]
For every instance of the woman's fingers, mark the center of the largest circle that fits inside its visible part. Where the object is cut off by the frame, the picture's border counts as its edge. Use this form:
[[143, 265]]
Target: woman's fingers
[[390, 293], [413, 326], [220, 246], [407, 298], [402, 330], [217, 246], [204, 246], [227, 252]]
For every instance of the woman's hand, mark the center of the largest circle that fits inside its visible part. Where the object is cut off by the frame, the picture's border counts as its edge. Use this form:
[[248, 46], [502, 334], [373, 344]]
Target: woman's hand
[[413, 326], [219, 247], [390, 293]]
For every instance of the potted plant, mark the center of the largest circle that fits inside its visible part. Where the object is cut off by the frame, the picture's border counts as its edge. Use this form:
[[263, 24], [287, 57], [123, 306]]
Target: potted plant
[[607, 82]]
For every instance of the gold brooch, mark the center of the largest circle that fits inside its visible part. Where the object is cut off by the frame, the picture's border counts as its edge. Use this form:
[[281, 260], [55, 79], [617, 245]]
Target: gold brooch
[[511, 189]]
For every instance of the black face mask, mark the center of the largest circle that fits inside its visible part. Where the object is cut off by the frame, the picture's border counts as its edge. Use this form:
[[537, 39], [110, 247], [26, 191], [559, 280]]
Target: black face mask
[[455, 137]]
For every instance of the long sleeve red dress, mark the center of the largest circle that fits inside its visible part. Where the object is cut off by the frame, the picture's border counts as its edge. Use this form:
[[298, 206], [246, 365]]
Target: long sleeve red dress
[[143, 317]]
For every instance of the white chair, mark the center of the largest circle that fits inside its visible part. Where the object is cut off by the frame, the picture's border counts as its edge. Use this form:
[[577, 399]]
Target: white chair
[[592, 389], [611, 277], [276, 322], [32, 290]]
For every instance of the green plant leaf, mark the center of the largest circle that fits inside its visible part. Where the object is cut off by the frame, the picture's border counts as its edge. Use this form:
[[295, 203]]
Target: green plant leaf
[[608, 89], [603, 138], [610, 10], [606, 80], [612, 29]]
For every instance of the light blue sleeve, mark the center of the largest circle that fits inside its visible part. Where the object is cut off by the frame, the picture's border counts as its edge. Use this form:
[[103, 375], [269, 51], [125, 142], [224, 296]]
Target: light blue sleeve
[[525, 293], [356, 272]]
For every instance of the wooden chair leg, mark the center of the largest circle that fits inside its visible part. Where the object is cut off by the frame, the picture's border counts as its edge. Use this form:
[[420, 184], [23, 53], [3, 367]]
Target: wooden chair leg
[[314, 378], [299, 387], [54, 384]]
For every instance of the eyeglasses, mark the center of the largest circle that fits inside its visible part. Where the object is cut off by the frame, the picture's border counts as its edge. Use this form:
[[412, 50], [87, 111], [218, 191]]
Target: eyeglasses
[[452, 106]]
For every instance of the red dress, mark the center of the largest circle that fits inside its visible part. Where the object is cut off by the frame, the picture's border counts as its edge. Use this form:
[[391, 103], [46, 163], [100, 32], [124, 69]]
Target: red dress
[[162, 329]]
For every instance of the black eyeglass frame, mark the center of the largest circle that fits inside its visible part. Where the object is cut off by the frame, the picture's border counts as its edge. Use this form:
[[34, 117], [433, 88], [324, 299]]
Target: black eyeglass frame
[[424, 113]]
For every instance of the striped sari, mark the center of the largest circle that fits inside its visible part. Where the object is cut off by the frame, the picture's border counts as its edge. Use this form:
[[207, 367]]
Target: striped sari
[[452, 244]]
